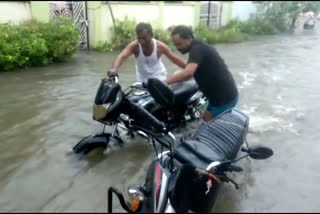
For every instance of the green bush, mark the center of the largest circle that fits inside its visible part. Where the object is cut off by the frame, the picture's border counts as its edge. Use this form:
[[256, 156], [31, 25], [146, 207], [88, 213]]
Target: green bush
[[225, 35], [234, 31], [284, 14], [62, 39], [125, 32], [104, 46], [230, 36], [163, 36], [254, 26], [35, 44], [206, 34]]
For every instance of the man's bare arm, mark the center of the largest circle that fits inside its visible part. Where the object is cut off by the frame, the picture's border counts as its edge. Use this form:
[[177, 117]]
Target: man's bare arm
[[183, 75], [171, 56], [125, 53]]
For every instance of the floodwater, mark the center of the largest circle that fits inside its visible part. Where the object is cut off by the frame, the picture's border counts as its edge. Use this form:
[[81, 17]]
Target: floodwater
[[45, 111]]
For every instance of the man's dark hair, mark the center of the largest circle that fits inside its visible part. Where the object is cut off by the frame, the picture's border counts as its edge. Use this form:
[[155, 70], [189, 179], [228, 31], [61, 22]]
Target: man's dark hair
[[183, 31], [144, 26]]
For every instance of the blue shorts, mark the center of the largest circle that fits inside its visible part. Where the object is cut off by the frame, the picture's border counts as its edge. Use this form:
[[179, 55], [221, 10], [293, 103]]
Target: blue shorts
[[216, 110]]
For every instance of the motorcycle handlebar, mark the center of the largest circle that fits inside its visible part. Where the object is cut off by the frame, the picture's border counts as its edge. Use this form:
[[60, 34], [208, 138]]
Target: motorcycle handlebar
[[114, 77], [158, 137]]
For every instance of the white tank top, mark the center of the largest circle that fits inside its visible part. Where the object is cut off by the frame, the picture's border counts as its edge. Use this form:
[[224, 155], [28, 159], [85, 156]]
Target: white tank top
[[149, 66]]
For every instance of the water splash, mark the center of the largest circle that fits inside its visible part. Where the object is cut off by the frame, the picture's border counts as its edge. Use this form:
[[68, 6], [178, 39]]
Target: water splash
[[279, 121], [248, 79]]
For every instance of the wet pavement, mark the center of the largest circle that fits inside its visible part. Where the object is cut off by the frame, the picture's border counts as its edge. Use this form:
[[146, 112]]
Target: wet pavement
[[45, 111]]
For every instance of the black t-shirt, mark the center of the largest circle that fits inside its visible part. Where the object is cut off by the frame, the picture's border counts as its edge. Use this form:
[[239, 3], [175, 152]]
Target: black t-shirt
[[212, 74]]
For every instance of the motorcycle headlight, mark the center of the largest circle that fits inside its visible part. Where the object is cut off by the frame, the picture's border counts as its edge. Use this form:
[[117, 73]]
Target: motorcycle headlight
[[100, 111]]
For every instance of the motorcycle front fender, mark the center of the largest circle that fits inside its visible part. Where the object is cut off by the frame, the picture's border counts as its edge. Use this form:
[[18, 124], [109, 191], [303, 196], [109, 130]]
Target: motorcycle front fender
[[92, 141]]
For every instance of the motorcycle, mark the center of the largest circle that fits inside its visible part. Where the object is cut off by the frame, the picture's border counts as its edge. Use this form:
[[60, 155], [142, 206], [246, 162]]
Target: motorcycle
[[310, 23], [188, 178], [138, 104]]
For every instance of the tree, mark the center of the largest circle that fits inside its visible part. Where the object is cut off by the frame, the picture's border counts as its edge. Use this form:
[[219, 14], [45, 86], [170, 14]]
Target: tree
[[284, 14]]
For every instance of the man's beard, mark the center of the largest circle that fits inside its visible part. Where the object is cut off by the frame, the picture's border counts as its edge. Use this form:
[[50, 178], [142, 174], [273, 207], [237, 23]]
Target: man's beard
[[183, 51]]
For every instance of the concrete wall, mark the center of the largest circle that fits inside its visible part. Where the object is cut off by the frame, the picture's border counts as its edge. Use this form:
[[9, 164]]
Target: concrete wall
[[243, 9], [14, 12], [159, 14], [226, 12], [187, 13], [40, 10], [19, 11]]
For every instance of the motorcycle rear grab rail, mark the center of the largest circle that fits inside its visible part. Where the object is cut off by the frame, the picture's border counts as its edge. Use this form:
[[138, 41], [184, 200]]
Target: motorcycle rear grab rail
[[119, 195]]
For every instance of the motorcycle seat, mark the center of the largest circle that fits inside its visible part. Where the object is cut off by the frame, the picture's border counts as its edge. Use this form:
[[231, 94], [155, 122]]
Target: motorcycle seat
[[183, 91], [218, 140]]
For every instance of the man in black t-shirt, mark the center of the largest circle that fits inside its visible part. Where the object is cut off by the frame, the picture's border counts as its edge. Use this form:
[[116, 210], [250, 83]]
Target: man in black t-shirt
[[209, 71]]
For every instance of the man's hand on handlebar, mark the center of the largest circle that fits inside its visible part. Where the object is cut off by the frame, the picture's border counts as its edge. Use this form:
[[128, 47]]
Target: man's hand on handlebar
[[112, 72]]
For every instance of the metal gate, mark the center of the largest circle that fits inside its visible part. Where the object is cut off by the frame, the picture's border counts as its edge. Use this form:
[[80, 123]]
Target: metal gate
[[76, 10], [210, 13]]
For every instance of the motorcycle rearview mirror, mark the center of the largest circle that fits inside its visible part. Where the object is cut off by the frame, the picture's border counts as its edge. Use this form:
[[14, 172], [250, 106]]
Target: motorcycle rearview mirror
[[259, 152]]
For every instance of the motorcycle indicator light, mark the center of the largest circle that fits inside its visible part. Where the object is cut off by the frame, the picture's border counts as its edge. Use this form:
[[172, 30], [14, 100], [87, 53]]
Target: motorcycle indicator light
[[135, 204], [137, 197]]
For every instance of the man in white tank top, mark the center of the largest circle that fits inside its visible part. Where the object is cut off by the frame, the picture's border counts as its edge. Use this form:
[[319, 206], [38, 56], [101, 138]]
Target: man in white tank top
[[147, 52]]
